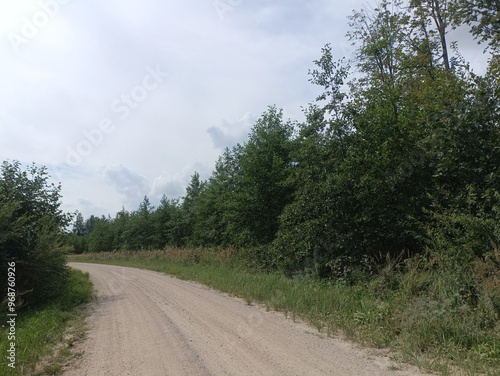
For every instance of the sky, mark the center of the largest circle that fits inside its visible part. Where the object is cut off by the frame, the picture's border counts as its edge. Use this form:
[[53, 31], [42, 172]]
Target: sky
[[122, 99]]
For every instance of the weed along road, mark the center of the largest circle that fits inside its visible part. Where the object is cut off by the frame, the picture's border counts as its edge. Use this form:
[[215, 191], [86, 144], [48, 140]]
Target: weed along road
[[147, 323]]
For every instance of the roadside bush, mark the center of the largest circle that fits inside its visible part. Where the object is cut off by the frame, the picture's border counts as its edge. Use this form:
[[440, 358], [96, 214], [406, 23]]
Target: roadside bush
[[31, 225]]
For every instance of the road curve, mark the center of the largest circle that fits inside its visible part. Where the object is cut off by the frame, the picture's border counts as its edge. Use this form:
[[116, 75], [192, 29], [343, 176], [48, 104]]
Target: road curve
[[148, 323]]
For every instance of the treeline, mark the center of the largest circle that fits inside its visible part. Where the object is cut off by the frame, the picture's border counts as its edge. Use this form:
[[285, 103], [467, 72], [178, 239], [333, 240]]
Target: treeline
[[398, 155]]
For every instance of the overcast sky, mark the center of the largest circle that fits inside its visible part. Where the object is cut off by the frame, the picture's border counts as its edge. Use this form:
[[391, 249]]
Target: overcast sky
[[123, 99]]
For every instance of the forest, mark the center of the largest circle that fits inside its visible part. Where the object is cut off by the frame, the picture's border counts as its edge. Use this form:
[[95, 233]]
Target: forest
[[397, 157], [391, 183], [388, 191]]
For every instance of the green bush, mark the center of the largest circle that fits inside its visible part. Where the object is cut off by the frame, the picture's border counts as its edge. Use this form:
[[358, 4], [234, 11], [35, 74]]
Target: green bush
[[31, 225]]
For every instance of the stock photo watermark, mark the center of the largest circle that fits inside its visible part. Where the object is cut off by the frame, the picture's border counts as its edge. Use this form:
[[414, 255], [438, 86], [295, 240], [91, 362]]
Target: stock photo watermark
[[11, 314], [122, 107], [117, 283], [253, 322], [245, 329], [31, 26], [224, 6]]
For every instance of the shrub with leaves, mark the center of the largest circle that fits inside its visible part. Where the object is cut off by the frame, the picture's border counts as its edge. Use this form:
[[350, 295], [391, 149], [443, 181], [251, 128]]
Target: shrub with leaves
[[31, 226]]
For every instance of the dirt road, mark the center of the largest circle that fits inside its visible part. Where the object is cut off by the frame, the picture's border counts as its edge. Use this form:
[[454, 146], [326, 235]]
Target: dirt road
[[147, 323]]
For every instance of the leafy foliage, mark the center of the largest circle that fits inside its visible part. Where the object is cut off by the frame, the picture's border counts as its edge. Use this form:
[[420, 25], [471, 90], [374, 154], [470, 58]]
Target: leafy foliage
[[31, 225], [385, 162], [390, 184]]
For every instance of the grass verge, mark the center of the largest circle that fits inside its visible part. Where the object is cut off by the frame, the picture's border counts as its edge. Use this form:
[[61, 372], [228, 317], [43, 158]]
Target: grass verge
[[44, 336], [410, 313]]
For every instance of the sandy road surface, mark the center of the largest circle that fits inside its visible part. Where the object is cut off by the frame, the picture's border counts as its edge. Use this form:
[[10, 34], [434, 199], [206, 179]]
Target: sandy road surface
[[147, 323]]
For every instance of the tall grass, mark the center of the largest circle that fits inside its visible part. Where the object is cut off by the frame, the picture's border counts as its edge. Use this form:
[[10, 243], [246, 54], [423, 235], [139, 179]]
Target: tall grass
[[42, 339], [416, 312]]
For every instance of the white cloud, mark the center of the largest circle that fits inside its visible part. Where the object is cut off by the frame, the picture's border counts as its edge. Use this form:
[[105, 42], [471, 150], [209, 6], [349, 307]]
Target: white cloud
[[174, 185], [88, 208], [229, 134], [171, 186], [129, 184]]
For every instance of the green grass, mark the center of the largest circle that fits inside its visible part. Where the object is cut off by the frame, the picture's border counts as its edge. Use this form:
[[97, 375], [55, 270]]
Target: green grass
[[415, 314], [45, 335]]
